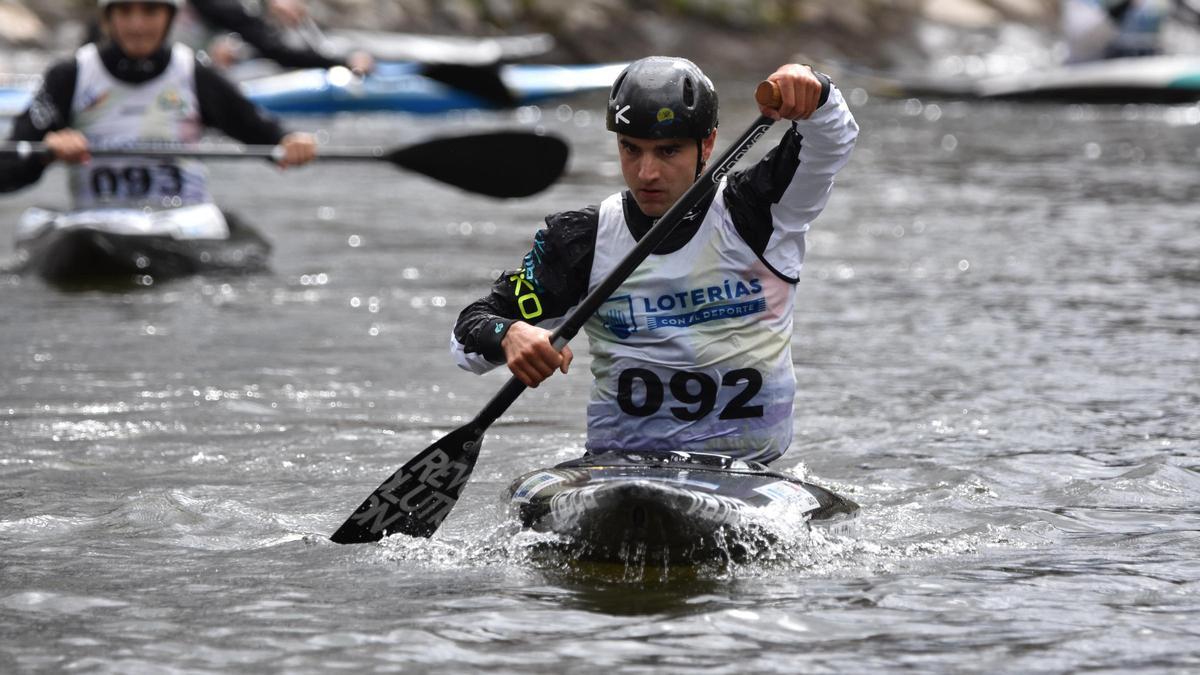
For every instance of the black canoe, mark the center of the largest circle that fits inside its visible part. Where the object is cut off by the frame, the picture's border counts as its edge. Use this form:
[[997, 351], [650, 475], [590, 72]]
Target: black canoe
[[670, 508], [77, 251]]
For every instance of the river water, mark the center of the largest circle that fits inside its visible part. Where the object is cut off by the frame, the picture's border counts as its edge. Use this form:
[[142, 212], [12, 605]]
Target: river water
[[998, 349]]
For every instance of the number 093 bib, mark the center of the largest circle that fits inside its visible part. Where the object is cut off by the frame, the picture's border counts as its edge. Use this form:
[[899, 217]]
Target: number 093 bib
[[114, 114]]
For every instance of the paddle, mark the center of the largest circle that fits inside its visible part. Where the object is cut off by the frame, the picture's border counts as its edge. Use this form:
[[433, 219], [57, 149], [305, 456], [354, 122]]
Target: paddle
[[416, 498], [497, 164]]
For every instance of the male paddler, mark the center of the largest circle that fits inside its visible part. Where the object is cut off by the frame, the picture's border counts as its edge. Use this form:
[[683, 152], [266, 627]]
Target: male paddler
[[137, 87], [693, 351]]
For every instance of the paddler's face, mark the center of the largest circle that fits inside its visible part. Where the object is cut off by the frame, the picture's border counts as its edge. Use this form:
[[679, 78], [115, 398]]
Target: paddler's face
[[658, 172], [138, 28]]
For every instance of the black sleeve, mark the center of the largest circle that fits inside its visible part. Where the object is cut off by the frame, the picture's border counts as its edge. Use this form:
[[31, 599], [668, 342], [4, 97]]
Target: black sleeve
[[223, 106], [553, 278], [231, 15], [750, 193], [49, 110]]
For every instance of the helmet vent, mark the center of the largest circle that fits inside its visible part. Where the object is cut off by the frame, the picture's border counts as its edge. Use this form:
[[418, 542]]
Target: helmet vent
[[617, 86], [689, 93]]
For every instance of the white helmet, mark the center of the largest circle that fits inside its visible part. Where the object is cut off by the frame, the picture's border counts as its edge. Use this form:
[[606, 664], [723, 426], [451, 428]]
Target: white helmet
[[105, 4]]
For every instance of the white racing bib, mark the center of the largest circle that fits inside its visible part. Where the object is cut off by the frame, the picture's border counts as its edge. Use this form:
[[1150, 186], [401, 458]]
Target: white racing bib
[[693, 351], [113, 114]]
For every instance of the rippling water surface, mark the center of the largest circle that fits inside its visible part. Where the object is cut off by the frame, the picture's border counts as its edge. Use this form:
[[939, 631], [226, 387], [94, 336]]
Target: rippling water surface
[[998, 339]]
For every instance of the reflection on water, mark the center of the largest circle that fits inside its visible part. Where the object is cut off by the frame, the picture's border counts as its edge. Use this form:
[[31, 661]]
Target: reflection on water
[[996, 345], [604, 589]]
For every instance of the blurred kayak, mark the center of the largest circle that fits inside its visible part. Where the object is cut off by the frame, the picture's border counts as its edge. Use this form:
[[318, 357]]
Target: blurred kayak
[[423, 88], [1144, 79], [399, 87], [125, 245], [385, 46]]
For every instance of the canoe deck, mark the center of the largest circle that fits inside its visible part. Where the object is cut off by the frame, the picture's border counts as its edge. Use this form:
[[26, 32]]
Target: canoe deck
[[87, 254], [673, 507]]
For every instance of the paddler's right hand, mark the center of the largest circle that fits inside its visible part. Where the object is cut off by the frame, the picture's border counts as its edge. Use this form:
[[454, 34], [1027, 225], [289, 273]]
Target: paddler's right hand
[[68, 145], [530, 355]]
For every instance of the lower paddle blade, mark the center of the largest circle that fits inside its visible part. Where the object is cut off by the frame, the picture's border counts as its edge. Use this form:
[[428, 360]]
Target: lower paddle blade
[[416, 499], [483, 81], [500, 164]]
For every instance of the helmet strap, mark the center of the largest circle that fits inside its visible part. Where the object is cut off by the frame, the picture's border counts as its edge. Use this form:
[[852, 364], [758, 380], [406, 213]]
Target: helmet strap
[[699, 157]]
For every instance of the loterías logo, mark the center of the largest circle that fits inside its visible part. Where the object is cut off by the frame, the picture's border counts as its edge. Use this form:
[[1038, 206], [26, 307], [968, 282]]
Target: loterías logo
[[626, 315]]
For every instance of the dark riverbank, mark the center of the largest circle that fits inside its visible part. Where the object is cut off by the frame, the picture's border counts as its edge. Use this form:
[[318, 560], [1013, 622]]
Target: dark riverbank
[[733, 35]]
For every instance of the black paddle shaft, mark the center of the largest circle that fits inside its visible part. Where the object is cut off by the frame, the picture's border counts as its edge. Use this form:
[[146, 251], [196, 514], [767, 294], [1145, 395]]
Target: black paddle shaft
[[417, 497], [502, 164]]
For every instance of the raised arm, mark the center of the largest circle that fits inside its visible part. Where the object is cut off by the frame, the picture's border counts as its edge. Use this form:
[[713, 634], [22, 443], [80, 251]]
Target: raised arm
[[774, 202]]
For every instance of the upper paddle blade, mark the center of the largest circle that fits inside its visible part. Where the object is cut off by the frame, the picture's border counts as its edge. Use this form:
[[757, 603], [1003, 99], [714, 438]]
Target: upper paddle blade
[[416, 499], [500, 164]]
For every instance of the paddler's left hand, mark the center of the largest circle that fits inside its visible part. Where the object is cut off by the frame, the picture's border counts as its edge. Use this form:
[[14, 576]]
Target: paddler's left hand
[[297, 148], [800, 91], [360, 63], [530, 354]]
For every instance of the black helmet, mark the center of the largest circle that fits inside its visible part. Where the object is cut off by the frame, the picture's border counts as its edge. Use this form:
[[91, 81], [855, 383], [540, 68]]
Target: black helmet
[[662, 97]]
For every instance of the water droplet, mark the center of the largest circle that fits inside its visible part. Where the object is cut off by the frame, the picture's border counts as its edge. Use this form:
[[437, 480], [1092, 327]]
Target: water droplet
[[529, 114]]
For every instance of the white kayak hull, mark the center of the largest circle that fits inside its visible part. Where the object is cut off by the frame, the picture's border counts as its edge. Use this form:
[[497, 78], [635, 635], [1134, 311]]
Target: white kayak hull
[[133, 245]]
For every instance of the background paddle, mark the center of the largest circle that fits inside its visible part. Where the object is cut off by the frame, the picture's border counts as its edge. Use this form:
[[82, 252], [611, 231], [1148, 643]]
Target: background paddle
[[497, 164], [416, 498], [473, 67]]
